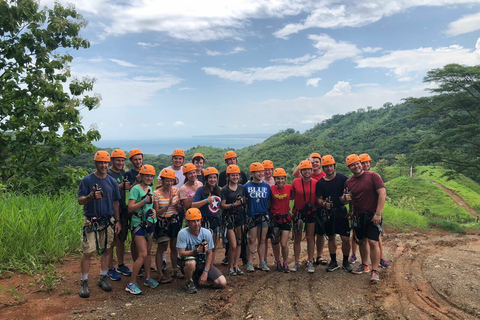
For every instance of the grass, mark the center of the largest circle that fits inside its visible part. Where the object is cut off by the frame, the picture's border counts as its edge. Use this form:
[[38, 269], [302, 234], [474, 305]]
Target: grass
[[403, 219]]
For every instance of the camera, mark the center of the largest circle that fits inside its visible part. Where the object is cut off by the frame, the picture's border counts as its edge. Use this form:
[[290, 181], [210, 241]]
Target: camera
[[308, 207]]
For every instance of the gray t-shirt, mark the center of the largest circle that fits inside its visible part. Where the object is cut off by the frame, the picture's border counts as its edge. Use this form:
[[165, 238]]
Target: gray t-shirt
[[187, 241]]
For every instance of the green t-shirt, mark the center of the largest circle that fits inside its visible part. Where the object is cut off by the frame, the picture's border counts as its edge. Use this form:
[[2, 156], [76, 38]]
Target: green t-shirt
[[137, 194]]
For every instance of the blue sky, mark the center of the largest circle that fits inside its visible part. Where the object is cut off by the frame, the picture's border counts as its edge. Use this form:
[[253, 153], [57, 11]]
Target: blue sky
[[185, 68]]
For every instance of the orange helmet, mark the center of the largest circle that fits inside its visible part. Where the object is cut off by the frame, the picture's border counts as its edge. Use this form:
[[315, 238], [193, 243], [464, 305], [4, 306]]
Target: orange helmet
[[230, 154], [233, 168], [178, 152], [316, 155], [134, 152], [364, 157], [352, 159], [198, 155], [188, 167], [167, 173], [327, 160], [279, 172], [118, 153], [256, 166], [305, 164], [209, 171], [267, 164], [147, 169], [102, 156], [193, 214]]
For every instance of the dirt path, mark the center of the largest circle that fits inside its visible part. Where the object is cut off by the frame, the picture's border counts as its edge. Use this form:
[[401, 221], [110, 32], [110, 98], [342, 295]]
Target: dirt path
[[432, 277], [458, 200]]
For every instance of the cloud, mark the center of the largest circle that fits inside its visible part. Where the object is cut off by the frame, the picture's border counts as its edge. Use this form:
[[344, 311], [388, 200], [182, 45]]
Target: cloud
[[179, 123], [299, 60], [371, 50], [465, 24], [329, 51], [339, 89], [148, 45], [218, 53], [313, 82], [123, 63]]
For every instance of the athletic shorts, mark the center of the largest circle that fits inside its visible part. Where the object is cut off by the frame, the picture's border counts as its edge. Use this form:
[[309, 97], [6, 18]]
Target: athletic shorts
[[90, 245], [148, 230], [337, 223], [213, 272], [167, 232], [257, 221], [238, 220], [125, 223], [287, 226], [370, 231]]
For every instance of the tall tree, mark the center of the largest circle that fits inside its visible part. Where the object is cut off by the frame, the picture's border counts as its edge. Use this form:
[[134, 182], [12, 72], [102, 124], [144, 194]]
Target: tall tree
[[39, 117], [455, 138]]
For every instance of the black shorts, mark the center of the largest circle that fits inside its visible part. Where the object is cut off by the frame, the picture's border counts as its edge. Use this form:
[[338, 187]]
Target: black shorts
[[365, 228], [284, 226], [337, 223], [213, 272], [166, 230], [125, 218], [236, 220]]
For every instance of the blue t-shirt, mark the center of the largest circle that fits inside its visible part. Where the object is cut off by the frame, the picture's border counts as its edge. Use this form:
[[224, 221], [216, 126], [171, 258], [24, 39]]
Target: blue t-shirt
[[258, 195], [209, 210], [187, 241], [104, 206]]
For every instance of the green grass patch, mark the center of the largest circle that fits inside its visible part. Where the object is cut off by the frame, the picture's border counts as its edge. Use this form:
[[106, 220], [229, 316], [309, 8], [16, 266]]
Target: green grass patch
[[403, 219]]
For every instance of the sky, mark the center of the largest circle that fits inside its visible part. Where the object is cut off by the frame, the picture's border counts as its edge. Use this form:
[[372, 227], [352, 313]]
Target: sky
[[183, 68]]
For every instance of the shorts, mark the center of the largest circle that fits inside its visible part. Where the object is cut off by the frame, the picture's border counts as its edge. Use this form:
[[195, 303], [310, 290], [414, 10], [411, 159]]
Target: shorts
[[213, 272], [89, 243], [125, 218], [237, 220], [366, 229], [169, 230], [257, 221], [284, 226], [144, 232], [337, 223]]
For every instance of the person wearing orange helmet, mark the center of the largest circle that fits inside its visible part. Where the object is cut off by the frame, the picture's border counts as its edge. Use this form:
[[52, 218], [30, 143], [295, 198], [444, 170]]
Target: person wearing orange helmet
[[168, 206], [208, 200], [99, 195], [367, 195], [304, 209], [198, 161], [140, 203], [258, 196], [329, 191], [191, 185], [268, 165], [231, 158], [280, 208], [233, 205], [195, 245], [317, 173]]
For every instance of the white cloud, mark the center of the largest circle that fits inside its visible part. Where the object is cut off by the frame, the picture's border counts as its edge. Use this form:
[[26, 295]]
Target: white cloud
[[179, 123], [218, 53], [299, 60], [213, 53], [148, 45], [313, 82], [465, 24], [123, 63], [371, 50], [340, 88]]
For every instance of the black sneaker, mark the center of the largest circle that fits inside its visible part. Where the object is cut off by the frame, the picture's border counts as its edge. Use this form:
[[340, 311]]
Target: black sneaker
[[84, 292], [332, 266], [225, 261], [190, 287], [346, 266], [103, 283]]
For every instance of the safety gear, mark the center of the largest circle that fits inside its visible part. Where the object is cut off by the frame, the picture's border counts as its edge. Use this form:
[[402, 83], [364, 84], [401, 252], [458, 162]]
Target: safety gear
[[188, 167], [233, 168], [256, 166], [279, 172], [327, 160], [267, 164], [118, 153], [209, 171], [230, 154], [134, 152], [178, 152], [198, 155], [167, 173], [102, 156], [148, 169], [316, 155], [364, 157], [352, 159], [305, 164], [193, 214]]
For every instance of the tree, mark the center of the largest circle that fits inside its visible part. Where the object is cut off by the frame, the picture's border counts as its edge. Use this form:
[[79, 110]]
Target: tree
[[39, 118], [455, 138]]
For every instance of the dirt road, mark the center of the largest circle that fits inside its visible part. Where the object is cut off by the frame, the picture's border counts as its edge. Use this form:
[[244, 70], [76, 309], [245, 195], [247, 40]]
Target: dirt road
[[432, 277]]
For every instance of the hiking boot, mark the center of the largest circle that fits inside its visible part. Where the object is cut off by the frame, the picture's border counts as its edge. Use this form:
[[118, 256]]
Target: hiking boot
[[164, 265], [190, 287], [346, 266], [384, 263], [123, 269], [263, 266], [225, 261], [250, 267], [374, 278], [363, 268], [113, 275], [321, 261], [238, 271], [150, 282], [332, 266], [279, 266], [352, 259], [232, 272], [84, 292], [285, 268], [133, 288], [103, 283], [296, 266], [310, 268]]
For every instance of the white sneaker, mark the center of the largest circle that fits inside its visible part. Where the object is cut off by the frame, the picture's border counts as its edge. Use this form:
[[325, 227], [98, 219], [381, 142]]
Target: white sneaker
[[310, 267], [295, 267]]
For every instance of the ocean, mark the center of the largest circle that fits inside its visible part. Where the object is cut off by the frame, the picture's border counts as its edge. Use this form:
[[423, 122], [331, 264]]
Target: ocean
[[167, 145]]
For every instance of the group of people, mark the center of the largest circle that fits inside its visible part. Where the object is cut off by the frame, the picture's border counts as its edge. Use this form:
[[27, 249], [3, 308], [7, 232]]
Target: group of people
[[245, 212]]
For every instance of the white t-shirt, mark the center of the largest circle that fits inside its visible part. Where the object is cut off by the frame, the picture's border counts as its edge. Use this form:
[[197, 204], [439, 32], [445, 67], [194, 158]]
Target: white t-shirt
[[178, 174]]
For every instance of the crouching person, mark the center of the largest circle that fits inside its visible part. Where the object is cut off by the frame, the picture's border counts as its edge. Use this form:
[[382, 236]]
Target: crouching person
[[195, 245]]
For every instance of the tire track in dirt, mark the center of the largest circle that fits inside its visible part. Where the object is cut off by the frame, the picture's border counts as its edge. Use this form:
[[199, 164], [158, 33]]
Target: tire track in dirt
[[458, 200]]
